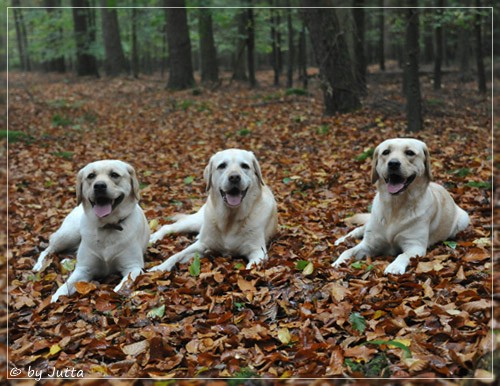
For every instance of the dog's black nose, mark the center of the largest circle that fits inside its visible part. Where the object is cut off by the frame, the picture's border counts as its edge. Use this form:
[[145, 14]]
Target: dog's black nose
[[100, 186], [394, 164], [234, 178]]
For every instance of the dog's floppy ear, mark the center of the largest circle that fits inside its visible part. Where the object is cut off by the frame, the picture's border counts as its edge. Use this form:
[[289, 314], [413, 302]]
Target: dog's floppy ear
[[256, 168], [134, 182], [79, 187], [427, 161], [375, 175], [207, 174]]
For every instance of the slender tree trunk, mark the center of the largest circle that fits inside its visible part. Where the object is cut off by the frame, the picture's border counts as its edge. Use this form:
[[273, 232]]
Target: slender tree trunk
[[209, 68], [481, 76], [56, 64], [114, 62], [412, 84], [275, 48], [22, 40], [239, 72], [359, 44], [332, 56], [135, 50], [438, 55], [179, 46], [251, 46], [302, 60], [86, 63], [291, 49], [381, 41]]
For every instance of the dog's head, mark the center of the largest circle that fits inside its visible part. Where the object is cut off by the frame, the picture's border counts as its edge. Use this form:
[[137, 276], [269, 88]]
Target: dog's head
[[108, 188], [233, 173], [399, 162]]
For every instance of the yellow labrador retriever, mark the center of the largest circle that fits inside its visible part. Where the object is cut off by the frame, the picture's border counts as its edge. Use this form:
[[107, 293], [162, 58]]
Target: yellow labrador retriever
[[409, 212], [108, 227], [238, 218]]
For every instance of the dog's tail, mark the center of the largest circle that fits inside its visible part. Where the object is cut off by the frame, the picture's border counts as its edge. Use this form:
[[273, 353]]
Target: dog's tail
[[357, 220]]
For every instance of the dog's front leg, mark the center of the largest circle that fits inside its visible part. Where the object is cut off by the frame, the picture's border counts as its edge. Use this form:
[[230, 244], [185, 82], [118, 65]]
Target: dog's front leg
[[398, 266], [130, 273], [359, 251], [256, 257], [357, 233], [68, 288], [181, 257]]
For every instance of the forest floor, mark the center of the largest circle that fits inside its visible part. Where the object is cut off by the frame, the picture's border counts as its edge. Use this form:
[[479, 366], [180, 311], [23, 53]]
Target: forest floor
[[295, 316]]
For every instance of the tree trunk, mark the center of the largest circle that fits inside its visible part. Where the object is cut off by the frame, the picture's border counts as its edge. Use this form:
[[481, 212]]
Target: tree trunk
[[179, 46], [381, 41], [239, 72], [275, 48], [359, 44], [86, 63], [251, 46], [114, 62], [135, 51], [332, 56], [209, 68], [481, 76], [302, 59], [412, 84], [291, 49], [56, 64], [21, 39], [438, 55]]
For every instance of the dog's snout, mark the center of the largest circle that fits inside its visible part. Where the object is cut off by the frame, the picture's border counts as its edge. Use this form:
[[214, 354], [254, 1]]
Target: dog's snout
[[234, 178], [394, 164], [100, 186]]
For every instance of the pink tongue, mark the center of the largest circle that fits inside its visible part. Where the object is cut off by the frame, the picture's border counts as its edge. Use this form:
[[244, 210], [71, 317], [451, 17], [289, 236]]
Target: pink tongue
[[395, 188], [233, 200], [102, 210]]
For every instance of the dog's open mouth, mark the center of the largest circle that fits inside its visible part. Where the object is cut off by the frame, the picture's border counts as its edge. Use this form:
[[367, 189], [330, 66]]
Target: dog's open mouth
[[396, 183], [103, 206], [233, 197]]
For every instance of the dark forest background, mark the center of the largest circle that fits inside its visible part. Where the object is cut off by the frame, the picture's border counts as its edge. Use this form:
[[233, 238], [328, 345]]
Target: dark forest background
[[189, 45]]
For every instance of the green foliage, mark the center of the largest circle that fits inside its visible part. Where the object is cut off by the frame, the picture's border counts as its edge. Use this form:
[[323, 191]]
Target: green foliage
[[450, 244], [242, 374], [195, 267], [14, 136], [479, 184], [244, 132], [357, 321], [61, 120], [296, 91], [378, 366], [366, 154], [323, 130], [64, 154], [463, 172], [188, 180], [156, 313], [395, 343]]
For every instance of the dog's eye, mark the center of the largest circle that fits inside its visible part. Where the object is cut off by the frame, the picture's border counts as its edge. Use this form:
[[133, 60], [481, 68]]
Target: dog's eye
[[91, 176], [245, 166], [114, 175], [221, 166], [410, 153], [386, 152]]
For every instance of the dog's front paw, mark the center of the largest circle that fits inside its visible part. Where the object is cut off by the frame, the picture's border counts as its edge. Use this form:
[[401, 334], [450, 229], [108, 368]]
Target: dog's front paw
[[38, 266], [340, 241], [397, 267], [155, 237], [161, 267]]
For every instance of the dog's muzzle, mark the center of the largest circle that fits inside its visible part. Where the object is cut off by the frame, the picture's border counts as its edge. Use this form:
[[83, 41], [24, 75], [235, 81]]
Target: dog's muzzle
[[102, 204], [396, 183]]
